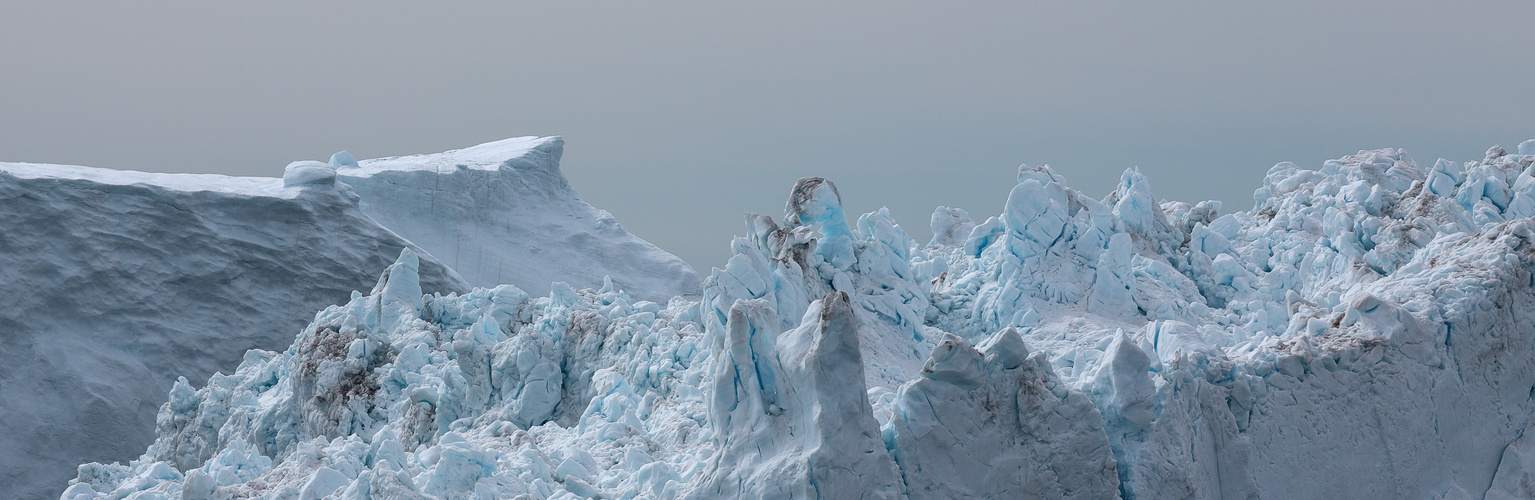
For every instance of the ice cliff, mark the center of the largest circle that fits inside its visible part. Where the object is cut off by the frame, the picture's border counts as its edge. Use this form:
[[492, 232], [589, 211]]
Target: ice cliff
[[117, 282], [1364, 332]]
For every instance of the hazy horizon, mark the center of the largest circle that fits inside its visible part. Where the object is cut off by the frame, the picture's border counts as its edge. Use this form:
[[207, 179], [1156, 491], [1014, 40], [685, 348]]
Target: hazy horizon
[[679, 118]]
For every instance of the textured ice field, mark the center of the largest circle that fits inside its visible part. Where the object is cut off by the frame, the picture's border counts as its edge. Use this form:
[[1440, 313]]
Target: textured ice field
[[1366, 331]]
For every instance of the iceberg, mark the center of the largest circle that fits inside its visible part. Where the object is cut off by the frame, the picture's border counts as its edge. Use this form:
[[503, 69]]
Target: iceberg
[[1368, 326], [502, 213], [119, 282]]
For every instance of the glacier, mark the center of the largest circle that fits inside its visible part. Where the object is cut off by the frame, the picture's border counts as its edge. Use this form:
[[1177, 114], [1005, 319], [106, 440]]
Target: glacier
[[1365, 331], [118, 281]]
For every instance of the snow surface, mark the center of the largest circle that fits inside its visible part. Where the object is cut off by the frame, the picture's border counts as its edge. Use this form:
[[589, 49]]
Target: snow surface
[[1365, 332], [120, 281]]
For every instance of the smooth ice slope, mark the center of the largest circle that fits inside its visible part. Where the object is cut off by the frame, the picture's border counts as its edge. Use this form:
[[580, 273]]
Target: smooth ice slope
[[1365, 332], [501, 212], [117, 282]]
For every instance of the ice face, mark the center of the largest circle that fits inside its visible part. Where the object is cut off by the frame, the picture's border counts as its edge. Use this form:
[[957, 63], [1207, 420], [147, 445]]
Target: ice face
[[997, 423], [1367, 327], [791, 419]]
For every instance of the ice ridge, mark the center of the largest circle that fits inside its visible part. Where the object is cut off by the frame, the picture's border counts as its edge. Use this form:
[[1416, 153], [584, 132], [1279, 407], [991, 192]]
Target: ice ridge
[[1364, 332]]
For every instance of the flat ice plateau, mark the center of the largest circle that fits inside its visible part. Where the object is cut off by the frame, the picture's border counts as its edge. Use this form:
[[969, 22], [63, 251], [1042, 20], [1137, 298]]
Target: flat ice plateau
[[117, 282], [1366, 331]]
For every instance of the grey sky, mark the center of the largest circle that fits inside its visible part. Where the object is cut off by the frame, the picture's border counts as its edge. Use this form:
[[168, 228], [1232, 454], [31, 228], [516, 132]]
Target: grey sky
[[678, 118]]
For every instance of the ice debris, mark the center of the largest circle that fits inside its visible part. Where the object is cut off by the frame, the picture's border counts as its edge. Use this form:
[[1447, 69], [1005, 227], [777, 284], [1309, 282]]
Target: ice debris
[[1365, 331]]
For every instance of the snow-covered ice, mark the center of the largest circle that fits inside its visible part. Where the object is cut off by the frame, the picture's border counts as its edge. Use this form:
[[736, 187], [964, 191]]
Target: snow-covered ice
[[1366, 331], [117, 282]]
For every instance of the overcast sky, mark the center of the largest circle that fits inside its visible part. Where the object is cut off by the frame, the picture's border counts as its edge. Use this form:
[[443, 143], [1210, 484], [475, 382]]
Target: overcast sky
[[678, 118]]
